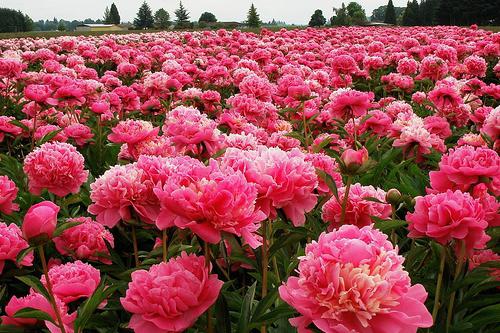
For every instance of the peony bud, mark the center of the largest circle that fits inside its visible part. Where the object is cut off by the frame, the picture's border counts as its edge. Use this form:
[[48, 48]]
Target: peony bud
[[40, 221], [393, 196], [354, 159]]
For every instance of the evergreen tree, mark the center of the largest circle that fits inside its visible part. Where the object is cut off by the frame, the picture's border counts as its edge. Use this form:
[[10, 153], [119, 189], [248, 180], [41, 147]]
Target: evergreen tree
[[162, 19], [356, 13], [182, 17], [107, 16], [411, 15], [253, 19], [14, 21], [207, 17], [144, 19], [61, 26], [390, 14], [317, 19], [114, 16]]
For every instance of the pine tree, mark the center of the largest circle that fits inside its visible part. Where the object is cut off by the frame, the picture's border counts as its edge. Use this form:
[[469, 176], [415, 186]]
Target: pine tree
[[390, 14], [107, 16], [114, 16], [253, 19], [162, 19], [411, 15], [317, 19], [182, 17], [144, 19]]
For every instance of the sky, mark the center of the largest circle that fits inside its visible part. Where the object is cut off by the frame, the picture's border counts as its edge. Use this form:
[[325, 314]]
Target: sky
[[290, 11]]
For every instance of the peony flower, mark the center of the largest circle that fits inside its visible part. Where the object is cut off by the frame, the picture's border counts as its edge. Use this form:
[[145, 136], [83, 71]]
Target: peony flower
[[85, 241], [353, 280], [57, 167], [484, 256], [353, 160], [73, 280], [209, 201], [38, 302], [169, 297], [285, 180], [40, 220], [132, 131], [449, 216], [11, 243], [359, 210], [8, 193], [348, 103], [464, 167]]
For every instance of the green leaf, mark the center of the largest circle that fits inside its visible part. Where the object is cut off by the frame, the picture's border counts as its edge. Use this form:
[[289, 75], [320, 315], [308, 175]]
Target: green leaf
[[11, 329], [223, 324], [330, 182], [246, 310], [17, 123], [33, 313], [264, 305], [388, 225], [60, 229], [284, 241], [34, 283], [88, 307], [23, 253], [282, 311], [485, 316], [49, 136]]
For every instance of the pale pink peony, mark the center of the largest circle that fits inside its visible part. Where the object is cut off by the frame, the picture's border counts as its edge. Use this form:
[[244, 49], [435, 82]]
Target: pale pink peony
[[73, 280], [353, 280], [85, 241], [121, 191], [170, 296], [359, 210], [285, 180], [209, 201], [38, 302], [449, 216], [11, 243], [465, 167], [8, 193], [57, 167]]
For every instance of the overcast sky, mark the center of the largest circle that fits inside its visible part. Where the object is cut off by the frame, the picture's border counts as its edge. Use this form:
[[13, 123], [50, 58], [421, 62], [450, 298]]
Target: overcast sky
[[291, 11]]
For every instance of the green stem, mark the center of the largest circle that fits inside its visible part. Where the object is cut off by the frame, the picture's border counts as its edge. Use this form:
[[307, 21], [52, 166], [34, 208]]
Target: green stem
[[346, 198], [136, 250], [164, 245], [304, 120], [210, 328], [458, 270], [439, 285], [265, 264], [52, 300]]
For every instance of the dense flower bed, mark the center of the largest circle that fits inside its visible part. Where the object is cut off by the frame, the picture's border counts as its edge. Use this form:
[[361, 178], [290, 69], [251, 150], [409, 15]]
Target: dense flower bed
[[333, 180]]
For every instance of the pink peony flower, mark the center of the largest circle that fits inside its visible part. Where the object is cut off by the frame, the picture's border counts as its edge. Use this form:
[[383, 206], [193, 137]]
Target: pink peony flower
[[354, 159], [80, 133], [170, 296], [285, 180], [484, 256], [38, 302], [465, 167], [8, 193], [348, 103], [85, 241], [40, 220], [11, 243], [209, 201], [449, 216], [132, 131], [359, 211], [353, 280], [73, 280], [57, 167]]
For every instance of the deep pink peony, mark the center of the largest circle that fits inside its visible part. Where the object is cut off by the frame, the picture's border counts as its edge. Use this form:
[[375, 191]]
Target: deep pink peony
[[449, 216], [465, 167], [359, 210], [353, 280], [85, 241], [348, 103], [285, 180], [209, 201], [11, 243], [38, 302], [57, 167], [40, 220], [132, 131], [170, 296], [73, 280], [8, 193]]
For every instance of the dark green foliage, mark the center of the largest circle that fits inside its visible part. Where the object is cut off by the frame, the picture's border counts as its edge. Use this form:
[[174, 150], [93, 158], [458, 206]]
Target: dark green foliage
[[467, 12], [182, 17], [317, 19], [114, 16], [356, 13], [342, 18], [207, 17], [378, 14], [14, 21], [253, 19], [411, 15], [144, 19]]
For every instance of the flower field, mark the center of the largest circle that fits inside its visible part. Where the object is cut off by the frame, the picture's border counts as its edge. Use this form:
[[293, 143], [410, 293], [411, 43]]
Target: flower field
[[318, 180]]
